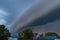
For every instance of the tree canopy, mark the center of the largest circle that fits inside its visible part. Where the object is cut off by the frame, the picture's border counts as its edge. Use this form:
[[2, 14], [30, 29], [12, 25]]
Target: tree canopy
[[51, 34], [27, 34], [4, 33]]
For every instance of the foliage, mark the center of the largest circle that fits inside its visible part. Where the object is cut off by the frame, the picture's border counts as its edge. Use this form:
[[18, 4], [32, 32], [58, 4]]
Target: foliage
[[20, 36], [51, 34], [27, 34], [58, 37], [4, 33]]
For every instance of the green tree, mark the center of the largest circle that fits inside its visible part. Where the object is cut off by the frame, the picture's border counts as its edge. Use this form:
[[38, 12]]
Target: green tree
[[20, 36], [58, 37], [4, 33], [51, 34], [27, 34]]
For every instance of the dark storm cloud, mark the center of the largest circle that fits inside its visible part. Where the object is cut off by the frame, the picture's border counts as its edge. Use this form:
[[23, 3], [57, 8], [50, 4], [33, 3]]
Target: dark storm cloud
[[49, 27], [43, 15], [52, 16], [48, 23]]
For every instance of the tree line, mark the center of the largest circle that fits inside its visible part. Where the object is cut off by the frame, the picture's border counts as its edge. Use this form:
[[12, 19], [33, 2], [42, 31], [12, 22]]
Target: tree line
[[26, 34]]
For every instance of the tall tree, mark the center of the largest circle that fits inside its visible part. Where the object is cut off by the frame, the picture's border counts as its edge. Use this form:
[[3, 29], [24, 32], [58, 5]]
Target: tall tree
[[20, 36], [4, 33], [27, 34]]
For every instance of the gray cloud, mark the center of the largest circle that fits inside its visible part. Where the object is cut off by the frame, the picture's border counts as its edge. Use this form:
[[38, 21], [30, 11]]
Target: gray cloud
[[14, 8], [48, 23], [49, 27], [38, 10], [50, 17]]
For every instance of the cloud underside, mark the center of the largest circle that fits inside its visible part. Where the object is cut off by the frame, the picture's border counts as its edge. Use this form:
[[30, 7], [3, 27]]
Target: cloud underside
[[52, 16], [50, 22], [33, 12]]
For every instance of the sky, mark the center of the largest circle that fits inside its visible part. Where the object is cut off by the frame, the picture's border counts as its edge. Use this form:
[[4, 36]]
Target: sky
[[40, 13], [10, 9], [28, 10]]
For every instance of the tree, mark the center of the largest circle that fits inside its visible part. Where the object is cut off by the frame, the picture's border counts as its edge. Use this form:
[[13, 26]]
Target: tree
[[4, 33], [58, 37], [20, 36], [27, 34], [51, 34]]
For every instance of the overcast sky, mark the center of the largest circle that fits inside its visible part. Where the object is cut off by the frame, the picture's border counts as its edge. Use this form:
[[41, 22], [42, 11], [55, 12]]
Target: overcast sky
[[10, 9]]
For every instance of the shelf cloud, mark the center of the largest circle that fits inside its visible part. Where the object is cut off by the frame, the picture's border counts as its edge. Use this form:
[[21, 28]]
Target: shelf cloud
[[35, 11]]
